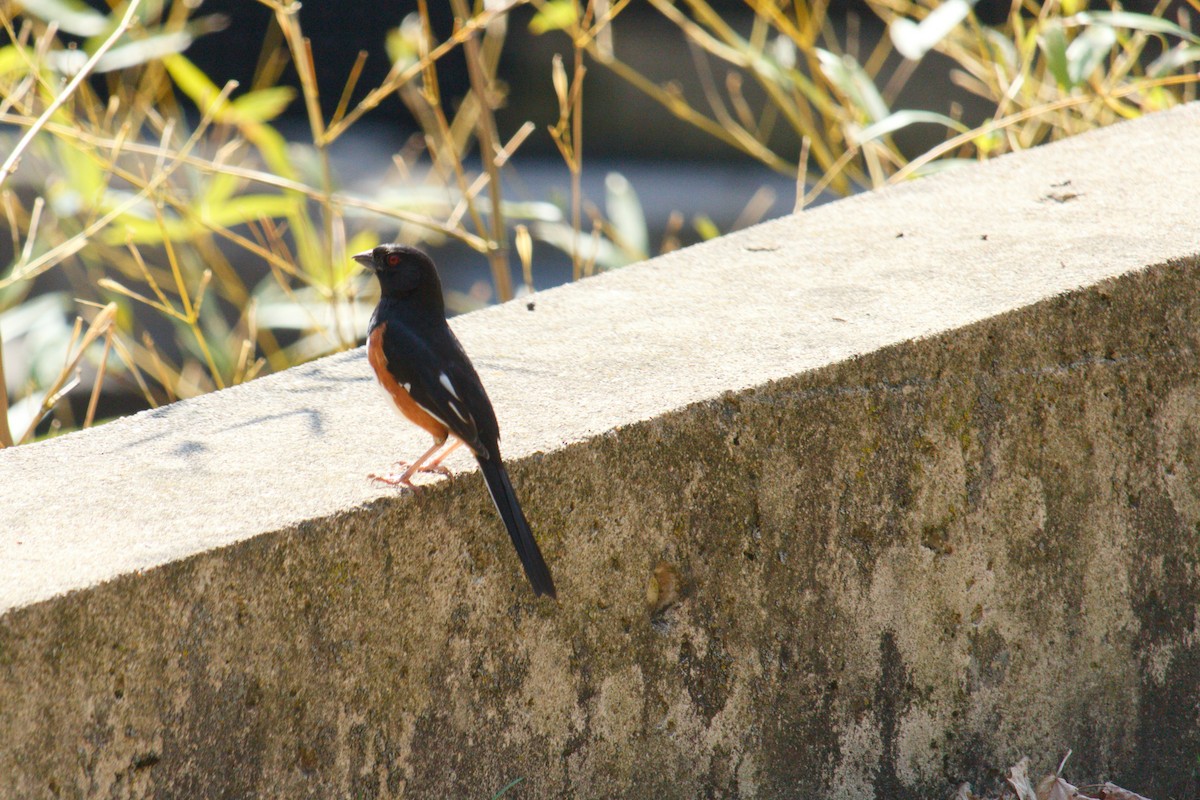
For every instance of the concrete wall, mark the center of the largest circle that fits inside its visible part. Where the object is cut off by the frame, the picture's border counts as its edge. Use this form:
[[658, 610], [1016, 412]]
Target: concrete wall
[[924, 467]]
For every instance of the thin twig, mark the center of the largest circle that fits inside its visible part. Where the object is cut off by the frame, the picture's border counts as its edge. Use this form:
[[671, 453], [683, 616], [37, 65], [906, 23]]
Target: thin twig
[[488, 139], [63, 383], [99, 382], [10, 163], [6, 439]]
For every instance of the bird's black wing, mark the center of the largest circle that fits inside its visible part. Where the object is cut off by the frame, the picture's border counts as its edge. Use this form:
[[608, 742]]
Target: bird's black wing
[[435, 370]]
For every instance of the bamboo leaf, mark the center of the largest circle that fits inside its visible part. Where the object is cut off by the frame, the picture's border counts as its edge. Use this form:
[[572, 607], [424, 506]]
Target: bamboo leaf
[[86, 184], [1132, 21], [1053, 43], [404, 43], [598, 250], [902, 119], [263, 105], [706, 227], [11, 59], [1088, 52], [1173, 59], [852, 81], [220, 188], [192, 81], [273, 148], [73, 16], [1002, 48], [914, 39], [69, 62], [942, 165], [556, 15], [248, 207], [626, 214]]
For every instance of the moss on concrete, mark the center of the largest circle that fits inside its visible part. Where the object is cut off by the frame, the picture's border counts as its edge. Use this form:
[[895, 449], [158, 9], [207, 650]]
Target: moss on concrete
[[896, 573]]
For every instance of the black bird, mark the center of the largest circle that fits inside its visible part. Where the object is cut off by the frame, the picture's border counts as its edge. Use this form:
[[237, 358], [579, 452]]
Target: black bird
[[423, 368]]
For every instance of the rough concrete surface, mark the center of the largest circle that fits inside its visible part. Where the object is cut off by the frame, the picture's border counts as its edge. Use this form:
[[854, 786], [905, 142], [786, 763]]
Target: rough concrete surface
[[926, 463]]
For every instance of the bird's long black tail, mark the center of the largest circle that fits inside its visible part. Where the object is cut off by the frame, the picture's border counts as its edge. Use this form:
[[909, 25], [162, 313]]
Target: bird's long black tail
[[496, 477]]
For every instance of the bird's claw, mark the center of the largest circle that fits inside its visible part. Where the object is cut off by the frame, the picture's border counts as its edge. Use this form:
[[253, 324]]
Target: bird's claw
[[392, 479], [403, 477], [436, 469]]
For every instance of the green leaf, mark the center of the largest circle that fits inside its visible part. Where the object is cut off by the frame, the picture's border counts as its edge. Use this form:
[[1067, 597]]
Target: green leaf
[[263, 105], [73, 16], [941, 165], [404, 43], [23, 411], [597, 250], [1132, 21], [555, 15], [154, 44], [988, 142], [914, 39], [361, 241], [852, 81], [141, 230], [510, 785], [902, 119], [192, 81], [69, 62], [1003, 49], [11, 60], [1053, 43], [145, 50], [273, 148], [1172, 60], [626, 215], [220, 188], [531, 210], [706, 227], [249, 207], [304, 309], [239, 210], [42, 325], [248, 112], [35, 315], [84, 180], [783, 51], [1088, 52], [1157, 98]]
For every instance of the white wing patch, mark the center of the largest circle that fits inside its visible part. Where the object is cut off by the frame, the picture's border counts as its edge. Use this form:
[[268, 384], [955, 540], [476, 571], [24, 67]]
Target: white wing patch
[[445, 381], [430, 413], [457, 412]]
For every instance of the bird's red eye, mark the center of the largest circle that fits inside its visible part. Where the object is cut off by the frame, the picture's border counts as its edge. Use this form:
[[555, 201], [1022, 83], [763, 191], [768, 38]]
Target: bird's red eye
[[393, 260]]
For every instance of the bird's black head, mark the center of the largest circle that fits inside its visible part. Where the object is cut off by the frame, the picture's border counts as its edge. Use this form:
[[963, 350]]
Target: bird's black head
[[405, 273]]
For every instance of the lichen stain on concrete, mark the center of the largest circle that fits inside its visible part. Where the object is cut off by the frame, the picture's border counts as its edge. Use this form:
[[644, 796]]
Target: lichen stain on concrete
[[897, 573], [1178, 429]]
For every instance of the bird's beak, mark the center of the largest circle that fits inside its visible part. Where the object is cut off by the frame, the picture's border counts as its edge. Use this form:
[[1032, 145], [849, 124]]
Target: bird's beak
[[366, 259]]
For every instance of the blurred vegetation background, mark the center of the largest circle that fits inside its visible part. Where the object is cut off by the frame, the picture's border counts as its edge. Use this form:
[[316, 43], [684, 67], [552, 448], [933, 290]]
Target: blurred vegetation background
[[183, 182]]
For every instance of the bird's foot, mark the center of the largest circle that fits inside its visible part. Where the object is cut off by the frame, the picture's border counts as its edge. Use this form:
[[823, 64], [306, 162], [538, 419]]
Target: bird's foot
[[393, 479], [403, 477], [436, 469]]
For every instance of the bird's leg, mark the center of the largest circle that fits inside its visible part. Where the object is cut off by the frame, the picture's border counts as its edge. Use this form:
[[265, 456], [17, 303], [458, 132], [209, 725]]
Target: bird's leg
[[436, 464], [405, 478]]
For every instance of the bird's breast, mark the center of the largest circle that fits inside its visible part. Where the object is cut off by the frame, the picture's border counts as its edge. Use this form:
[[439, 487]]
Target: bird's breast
[[399, 394]]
